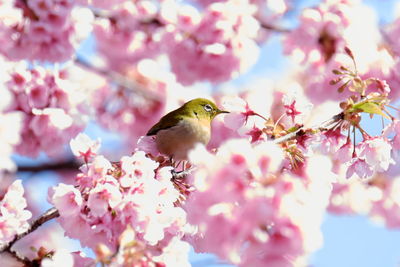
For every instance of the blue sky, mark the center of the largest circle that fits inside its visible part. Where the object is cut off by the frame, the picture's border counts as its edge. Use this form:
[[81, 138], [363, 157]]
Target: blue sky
[[352, 241]]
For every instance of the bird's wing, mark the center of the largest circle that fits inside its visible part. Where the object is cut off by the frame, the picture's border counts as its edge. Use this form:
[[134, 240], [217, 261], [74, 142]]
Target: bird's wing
[[165, 123]]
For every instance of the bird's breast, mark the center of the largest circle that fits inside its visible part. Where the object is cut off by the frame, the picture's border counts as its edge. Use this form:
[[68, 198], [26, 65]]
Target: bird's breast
[[179, 139]]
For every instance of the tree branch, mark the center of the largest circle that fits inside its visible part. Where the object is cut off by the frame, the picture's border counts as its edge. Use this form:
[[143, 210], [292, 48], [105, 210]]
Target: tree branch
[[47, 216], [118, 79], [26, 262], [58, 166]]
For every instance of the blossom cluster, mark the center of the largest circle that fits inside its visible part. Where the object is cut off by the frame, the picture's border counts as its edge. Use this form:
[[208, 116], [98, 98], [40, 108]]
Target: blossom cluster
[[127, 112], [13, 214], [372, 155], [320, 40], [377, 199], [51, 108], [215, 44], [267, 12], [376, 196], [42, 30], [247, 119], [133, 197], [258, 192], [321, 31], [130, 32], [11, 124], [266, 213], [206, 40], [243, 120]]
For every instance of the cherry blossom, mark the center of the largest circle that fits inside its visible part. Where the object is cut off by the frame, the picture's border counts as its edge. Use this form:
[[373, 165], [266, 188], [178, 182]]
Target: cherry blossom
[[297, 108], [321, 29], [242, 119], [122, 110], [10, 136], [326, 30], [13, 214], [391, 30], [352, 196], [294, 147], [384, 209], [49, 107], [83, 146], [131, 32], [393, 129], [377, 153], [215, 47], [113, 196], [236, 178], [46, 31], [359, 167]]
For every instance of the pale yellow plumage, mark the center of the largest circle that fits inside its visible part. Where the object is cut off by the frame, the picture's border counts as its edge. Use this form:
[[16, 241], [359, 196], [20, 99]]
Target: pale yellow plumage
[[178, 140]]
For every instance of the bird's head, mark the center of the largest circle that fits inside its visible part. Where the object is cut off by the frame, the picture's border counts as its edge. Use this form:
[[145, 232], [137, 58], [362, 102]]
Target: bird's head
[[202, 108]]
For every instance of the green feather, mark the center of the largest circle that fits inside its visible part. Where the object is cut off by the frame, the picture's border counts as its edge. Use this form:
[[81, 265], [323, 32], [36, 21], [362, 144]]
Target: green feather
[[170, 120], [191, 109]]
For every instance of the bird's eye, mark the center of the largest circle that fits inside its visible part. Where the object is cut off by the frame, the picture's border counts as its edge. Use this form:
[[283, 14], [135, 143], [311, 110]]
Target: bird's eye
[[208, 108]]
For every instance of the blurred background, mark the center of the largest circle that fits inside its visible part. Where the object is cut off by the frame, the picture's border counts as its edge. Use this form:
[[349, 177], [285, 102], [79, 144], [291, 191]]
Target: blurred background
[[349, 241]]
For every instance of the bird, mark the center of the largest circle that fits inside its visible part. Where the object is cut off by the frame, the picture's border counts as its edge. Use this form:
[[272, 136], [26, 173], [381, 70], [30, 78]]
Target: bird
[[180, 130]]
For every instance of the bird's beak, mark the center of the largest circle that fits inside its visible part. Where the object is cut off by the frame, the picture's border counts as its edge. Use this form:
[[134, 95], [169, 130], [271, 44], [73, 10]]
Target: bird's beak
[[222, 111]]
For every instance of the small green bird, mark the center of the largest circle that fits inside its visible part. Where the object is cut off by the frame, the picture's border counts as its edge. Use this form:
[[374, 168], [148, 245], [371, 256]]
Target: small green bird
[[179, 130]]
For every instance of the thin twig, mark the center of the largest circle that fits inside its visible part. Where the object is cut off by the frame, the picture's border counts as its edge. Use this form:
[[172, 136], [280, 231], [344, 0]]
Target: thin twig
[[328, 125], [182, 174], [102, 14], [47, 216], [274, 28]]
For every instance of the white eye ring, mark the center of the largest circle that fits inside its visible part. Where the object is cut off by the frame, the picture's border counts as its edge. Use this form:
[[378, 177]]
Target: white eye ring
[[208, 108]]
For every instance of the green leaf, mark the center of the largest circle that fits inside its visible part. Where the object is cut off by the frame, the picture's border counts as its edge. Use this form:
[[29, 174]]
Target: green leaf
[[371, 108], [293, 129]]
